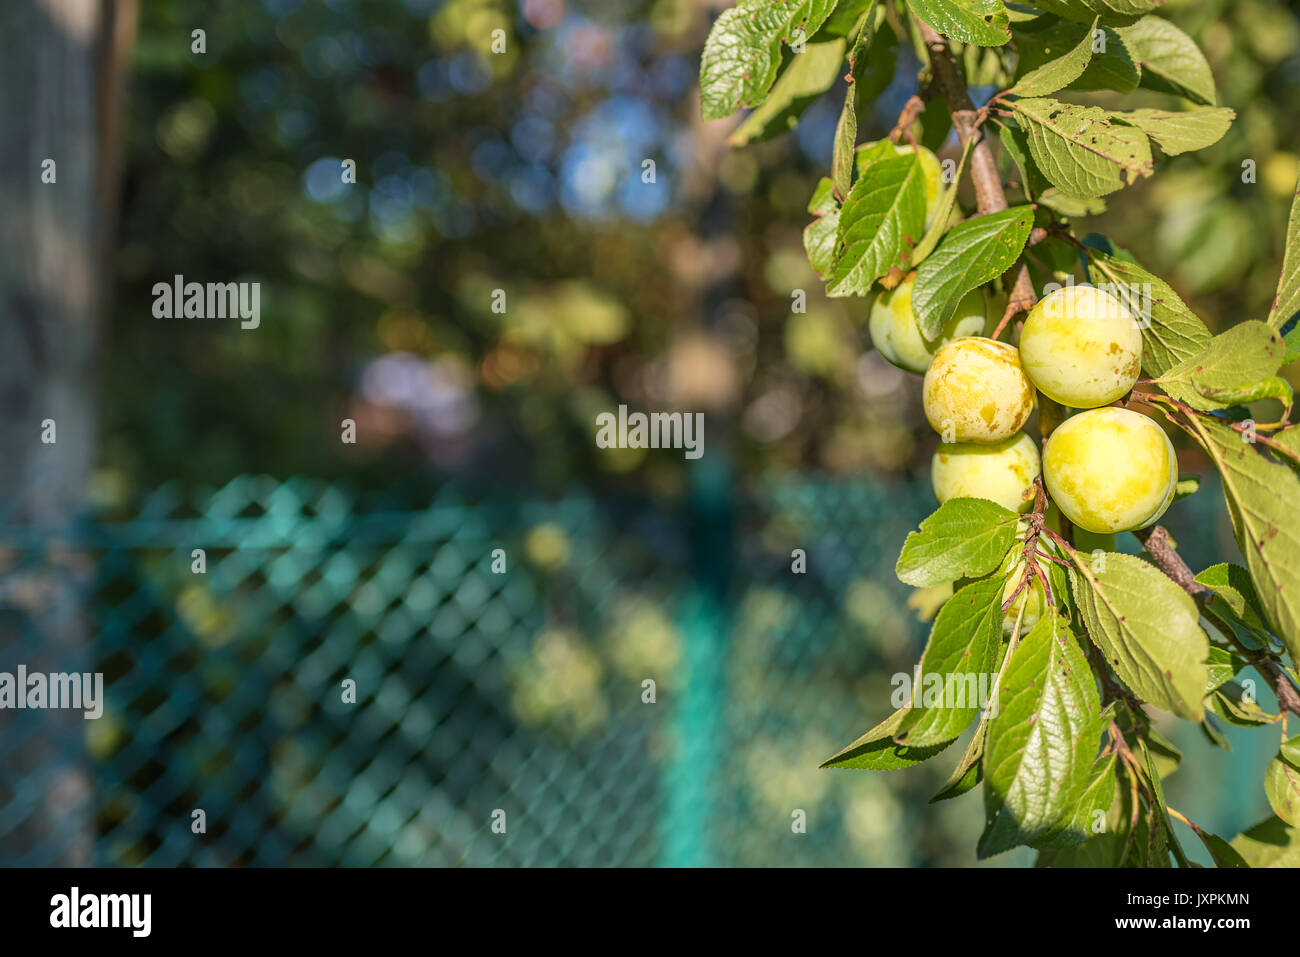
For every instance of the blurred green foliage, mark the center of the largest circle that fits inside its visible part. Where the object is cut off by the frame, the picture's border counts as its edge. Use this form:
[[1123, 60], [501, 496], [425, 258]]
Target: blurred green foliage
[[522, 171]]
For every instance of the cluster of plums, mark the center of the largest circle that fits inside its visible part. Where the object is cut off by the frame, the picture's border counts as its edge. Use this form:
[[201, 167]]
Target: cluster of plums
[[1107, 469]]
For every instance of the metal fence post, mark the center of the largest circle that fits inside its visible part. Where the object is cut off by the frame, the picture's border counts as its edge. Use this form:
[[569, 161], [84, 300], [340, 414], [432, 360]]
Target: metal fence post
[[693, 778]]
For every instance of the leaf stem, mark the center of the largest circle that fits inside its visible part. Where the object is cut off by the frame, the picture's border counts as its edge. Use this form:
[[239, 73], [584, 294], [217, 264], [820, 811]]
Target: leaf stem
[[1182, 817]]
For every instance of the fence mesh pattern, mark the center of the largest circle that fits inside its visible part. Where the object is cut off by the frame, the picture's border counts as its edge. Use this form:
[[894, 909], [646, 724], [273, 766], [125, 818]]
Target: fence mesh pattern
[[332, 679]]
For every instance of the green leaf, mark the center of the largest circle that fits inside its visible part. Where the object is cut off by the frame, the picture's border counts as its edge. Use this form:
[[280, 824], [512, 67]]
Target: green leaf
[[1273, 387], [1171, 62], [1222, 853], [1181, 132], [843, 157], [809, 75], [1150, 842], [1015, 145], [876, 750], [936, 124], [1098, 795], [971, 254], [964, 645], [1224, 665], [1046, 38], [870, 153], [1060, 582], [882, 219], [1164, 753], [1112, 11], [943, 213], [1057, 74], [1187, 485], [1282, 782], [982, 22], [1212, 733], [1288, 442], [1079, 149], [743, 51], [1071, 207], [1243, 356], [1291, 338], [740, 60], [1104, 850], [1110, 847], [1270, 843], [1147, 627], [1286, 303], [1263, 501], [819, 235], [1042, 743], [969, 770], [1103, 244], [1231, 703], [876, 70], [964, 538], [845, 18], [1018, 13], [1138, 731], [1173, 332], [843, 153], [1161, 816]]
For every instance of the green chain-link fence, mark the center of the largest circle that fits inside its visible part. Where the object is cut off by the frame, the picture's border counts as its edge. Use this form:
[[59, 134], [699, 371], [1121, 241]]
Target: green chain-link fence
[[507, 686]]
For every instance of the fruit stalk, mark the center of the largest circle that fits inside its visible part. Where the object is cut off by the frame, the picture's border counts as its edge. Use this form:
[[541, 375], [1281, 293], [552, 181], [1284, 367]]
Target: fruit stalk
[[1051, 414]]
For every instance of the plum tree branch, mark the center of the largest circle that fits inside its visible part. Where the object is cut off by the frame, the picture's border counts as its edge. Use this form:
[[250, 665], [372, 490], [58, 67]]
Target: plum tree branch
[[1160, 547], [989, 195]]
